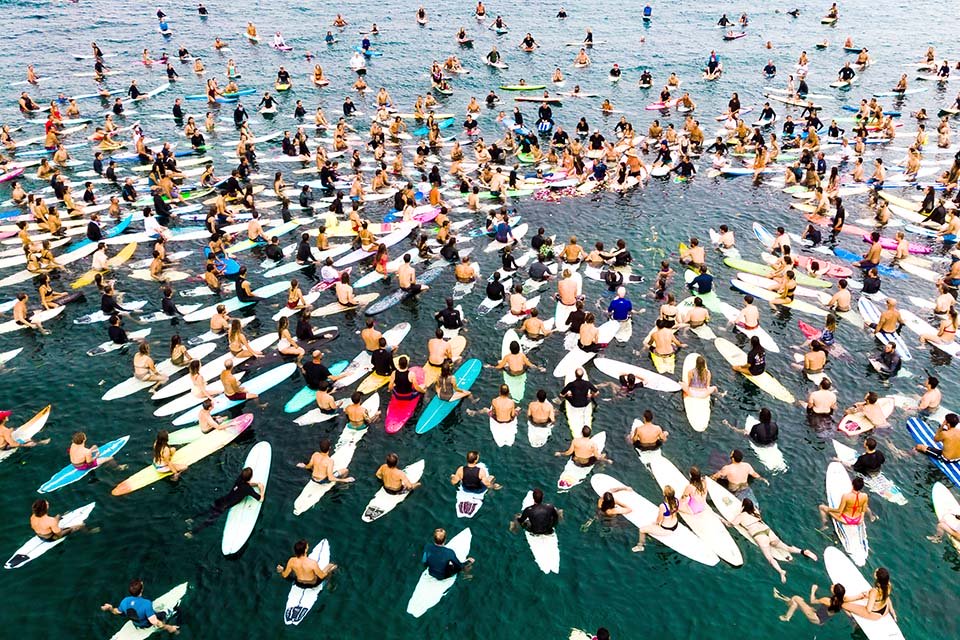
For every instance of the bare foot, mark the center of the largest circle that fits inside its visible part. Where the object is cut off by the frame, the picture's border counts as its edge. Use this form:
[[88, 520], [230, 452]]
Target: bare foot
[[809, 554], [934, 539], [783, 577]]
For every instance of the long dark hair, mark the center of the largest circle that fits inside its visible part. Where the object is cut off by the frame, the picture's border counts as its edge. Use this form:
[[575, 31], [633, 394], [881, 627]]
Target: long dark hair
[[838, 591], [882, 582], [163, 438], [607, 502]]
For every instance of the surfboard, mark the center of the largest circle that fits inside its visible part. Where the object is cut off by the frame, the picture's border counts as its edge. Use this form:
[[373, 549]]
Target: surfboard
[[300, 600], [705, 524], [852, 537], [69, 474], [36, 547], [438, 409], [766, 382], [545, 547], [429, 590], [383, 503], [696, 408], [643, 512], [842, 571], [342, 455], [199, 448], [573, 474], [27, 430], [242, 517]]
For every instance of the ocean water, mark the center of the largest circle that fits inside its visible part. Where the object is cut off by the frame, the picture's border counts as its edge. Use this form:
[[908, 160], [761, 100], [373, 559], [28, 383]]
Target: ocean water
[[655, 594]]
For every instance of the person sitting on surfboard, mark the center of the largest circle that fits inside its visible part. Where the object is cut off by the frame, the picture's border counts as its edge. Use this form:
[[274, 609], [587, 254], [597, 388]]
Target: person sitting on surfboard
[[305, 572], [948, 435], [737, 473], [540, 518], [139, 610], [45, 526], [394, 480], [440, 561], [853, 506]]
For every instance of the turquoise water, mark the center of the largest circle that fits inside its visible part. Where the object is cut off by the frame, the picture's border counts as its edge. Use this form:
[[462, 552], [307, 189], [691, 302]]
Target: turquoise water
[[654, 594]]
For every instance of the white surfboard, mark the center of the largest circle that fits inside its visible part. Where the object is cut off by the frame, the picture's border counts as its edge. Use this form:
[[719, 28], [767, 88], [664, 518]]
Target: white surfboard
[[300, 600], [504, 433], [429, 591], [36, 547], [538, 435], [852, 537], [383, 503], [342, 455], [242, 517], [844, 572], [545, 547], [706, 525], [945, 505], [644, 512]]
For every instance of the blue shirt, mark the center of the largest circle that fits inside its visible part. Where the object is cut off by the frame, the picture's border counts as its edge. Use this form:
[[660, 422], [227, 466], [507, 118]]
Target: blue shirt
[[703, 283], [620, 308], [441, 561], [141, 606]]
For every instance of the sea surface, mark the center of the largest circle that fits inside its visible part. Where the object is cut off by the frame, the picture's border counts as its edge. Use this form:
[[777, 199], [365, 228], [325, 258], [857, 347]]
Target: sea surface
[[656, 594]]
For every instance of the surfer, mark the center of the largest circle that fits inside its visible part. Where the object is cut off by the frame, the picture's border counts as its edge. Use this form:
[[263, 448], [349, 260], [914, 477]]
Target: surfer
[[322, 468], [305, 572], [646, 435], [582, 450], [854, 505], [441, 561], [948, 436], [472, 477], [737, 473], [749, 520], [540, 518], [393, 479], [139, 610], [45, 526]]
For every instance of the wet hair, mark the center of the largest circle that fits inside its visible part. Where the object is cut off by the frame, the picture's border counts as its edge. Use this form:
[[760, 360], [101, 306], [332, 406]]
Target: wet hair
[[607, 502], [162, 441], [300, 548]]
